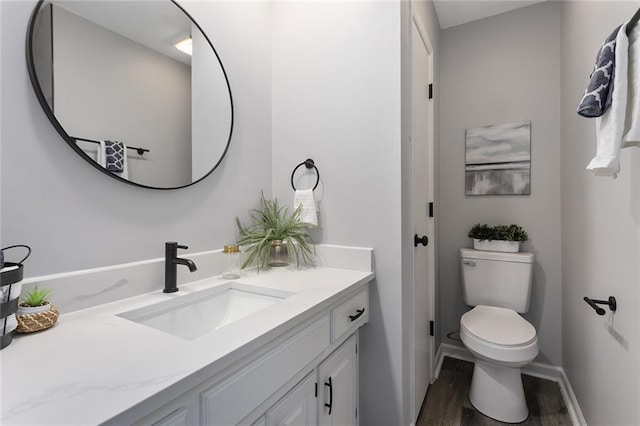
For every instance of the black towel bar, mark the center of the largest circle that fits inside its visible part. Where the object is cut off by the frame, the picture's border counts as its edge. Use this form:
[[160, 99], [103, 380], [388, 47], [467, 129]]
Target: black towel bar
[[611, 302], [140, 151], [308, 163]]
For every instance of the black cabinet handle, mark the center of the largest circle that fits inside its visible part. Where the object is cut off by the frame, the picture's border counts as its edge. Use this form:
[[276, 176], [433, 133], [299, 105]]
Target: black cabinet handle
[[358, 314], [330, 404], [424, 240]]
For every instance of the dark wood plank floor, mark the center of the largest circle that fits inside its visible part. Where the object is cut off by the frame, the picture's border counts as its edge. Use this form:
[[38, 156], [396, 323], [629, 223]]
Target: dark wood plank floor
[[447, 401]]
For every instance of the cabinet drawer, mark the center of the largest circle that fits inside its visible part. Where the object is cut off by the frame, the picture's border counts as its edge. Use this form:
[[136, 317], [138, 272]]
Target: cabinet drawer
[[232, 400], [350, 315]]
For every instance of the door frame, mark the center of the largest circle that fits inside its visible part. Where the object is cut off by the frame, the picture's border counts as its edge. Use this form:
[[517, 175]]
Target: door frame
[[417, 24]]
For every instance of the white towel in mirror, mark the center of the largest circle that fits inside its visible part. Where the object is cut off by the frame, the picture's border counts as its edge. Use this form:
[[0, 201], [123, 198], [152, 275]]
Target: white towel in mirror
[[101, 155]]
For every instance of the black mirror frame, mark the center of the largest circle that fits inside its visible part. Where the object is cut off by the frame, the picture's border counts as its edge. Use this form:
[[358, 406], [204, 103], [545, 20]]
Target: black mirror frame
[[71, 142]]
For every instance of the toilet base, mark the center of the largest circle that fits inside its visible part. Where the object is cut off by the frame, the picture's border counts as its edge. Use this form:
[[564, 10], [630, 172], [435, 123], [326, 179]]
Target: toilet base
[[497, 392]]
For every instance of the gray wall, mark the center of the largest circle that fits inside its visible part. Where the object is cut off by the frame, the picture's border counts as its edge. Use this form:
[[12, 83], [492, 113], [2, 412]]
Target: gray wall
[[337, 99], [210, 107], [75, 217], [499, 70], [107, 86], [600, 237]]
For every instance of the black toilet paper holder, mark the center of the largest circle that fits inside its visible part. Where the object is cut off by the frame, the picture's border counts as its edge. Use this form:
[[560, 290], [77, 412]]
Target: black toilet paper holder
[[611, 302]]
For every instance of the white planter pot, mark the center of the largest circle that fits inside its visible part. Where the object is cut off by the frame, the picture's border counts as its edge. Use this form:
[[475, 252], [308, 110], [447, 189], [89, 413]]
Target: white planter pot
[[497, 245], [28, 310]]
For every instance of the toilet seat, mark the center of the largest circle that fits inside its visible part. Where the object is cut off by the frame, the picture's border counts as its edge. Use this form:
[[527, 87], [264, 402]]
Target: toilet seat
[[499, 334], [499, 326]]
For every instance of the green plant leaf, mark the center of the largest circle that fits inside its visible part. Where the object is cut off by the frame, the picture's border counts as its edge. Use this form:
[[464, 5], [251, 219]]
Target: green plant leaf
[[500, 232], [36, 297], [269, 223]]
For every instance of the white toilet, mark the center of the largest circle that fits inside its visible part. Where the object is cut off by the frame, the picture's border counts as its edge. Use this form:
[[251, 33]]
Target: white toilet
[[499, 286]]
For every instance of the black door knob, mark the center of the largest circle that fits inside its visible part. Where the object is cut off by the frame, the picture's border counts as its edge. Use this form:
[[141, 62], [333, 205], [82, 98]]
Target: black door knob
[[420, 240]]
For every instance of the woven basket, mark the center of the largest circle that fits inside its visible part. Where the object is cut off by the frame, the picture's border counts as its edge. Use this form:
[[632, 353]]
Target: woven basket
[[39, 321]]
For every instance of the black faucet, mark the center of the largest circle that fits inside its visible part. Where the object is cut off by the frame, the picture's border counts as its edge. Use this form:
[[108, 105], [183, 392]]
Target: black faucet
[[171, 260]]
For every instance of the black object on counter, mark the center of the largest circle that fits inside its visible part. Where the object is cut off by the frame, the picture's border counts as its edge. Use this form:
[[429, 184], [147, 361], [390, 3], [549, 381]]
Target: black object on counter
[[7, 279]]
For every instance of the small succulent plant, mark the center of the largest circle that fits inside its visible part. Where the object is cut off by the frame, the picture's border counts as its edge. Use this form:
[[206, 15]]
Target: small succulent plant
[[36, 297]]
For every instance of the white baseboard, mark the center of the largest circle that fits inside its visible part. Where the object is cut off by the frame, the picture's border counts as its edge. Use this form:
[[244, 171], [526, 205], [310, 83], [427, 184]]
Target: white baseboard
[[536, 369], [571, 401], [451, 351]]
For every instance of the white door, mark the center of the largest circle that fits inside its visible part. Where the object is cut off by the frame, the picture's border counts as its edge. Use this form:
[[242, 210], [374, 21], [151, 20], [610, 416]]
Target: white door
[[338, 377], [423, 259], [298, 407]]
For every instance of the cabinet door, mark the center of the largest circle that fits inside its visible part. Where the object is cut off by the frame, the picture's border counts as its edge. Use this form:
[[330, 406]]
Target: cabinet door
[[338, 376], [262, 421], [181, 412], [177, 418], [298, 407], [229, 402]]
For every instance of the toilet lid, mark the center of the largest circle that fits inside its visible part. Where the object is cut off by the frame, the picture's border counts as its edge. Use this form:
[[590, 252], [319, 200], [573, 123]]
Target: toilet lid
[[498, 325]]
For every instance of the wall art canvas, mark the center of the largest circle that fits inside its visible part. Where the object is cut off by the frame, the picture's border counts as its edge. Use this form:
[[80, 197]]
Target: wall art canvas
[[498, 160]]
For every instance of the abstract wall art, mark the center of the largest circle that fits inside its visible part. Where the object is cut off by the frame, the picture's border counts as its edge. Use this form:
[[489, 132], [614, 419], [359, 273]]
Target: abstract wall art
[[498, 159]]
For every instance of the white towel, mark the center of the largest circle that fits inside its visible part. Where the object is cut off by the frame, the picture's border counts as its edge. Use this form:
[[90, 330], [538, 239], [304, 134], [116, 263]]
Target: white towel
[[101, 155], [9, 268], [101, 158], [610, 126], [309, 209], [9, 324], [632, 122], [16, 289], [124, 174]]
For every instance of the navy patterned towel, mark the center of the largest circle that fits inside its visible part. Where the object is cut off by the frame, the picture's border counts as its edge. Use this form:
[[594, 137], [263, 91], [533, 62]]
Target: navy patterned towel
[[115, 155], [597, 96]]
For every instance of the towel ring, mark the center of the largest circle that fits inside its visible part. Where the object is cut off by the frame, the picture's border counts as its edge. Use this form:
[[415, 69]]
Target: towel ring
[[308, 163]]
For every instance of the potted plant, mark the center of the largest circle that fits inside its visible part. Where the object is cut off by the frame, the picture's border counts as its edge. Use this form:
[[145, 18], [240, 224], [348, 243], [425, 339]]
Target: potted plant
[[274, 236], [35, 312], [505, 238]]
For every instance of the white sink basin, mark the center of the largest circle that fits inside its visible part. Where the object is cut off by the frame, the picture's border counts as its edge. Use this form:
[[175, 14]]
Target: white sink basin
[[196, 314]]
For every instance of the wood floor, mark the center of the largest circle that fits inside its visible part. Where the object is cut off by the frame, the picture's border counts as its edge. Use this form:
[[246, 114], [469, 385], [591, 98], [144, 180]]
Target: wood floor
[[447, 401]]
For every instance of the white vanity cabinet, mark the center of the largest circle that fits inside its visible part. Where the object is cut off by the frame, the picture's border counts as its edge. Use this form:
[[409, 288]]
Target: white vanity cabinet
[[180, 417], [326, 396], [298, 407], [307, 376], [338, 375]]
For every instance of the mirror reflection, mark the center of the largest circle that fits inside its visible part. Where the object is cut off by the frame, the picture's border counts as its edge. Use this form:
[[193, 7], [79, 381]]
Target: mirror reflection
[[135, 87]]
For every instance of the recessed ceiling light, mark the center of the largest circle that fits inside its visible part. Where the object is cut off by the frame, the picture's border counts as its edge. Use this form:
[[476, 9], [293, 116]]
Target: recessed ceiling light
[[185, 46]]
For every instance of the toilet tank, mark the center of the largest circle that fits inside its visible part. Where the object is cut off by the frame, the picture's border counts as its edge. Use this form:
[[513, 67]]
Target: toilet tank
[[497, 279]]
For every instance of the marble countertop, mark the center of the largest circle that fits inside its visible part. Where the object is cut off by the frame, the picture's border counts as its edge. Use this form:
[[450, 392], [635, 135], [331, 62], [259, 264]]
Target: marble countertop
[[94, 365]]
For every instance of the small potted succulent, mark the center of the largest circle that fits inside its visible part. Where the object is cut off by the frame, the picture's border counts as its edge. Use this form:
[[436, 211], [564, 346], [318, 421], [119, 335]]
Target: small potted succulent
[[505, 238], [274, 237], [35, 311]]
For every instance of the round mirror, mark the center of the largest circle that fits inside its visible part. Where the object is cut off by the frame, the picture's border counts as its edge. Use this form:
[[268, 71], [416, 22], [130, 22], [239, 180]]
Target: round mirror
[[134, 87]]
